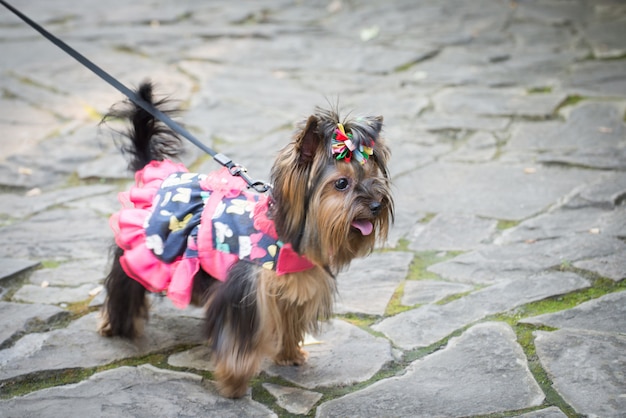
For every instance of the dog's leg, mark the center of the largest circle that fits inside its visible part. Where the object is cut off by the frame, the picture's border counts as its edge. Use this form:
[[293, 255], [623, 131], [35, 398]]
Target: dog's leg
[[293, 329], [125, 309], [234, 327]]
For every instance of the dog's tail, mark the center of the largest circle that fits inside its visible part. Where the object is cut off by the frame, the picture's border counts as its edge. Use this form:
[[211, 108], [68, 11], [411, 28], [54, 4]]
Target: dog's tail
[[150, 139]]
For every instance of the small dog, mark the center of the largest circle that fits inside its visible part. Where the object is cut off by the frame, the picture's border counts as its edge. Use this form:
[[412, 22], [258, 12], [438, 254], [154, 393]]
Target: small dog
[[262, 265]]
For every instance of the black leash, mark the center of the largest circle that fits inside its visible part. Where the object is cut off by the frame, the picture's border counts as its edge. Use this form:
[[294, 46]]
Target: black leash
[[235, 169]]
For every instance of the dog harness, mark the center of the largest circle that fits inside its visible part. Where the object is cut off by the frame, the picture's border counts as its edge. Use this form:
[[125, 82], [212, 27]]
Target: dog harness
[[173, 222]]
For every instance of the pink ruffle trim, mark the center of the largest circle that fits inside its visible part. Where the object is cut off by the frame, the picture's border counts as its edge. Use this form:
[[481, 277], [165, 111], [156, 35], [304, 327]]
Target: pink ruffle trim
[[138, 261]]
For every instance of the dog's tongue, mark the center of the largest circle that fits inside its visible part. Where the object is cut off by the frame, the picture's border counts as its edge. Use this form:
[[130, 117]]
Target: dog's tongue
[[364, 226]]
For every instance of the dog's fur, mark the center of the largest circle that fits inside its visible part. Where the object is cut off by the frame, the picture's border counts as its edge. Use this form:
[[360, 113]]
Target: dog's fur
[[256, 313]]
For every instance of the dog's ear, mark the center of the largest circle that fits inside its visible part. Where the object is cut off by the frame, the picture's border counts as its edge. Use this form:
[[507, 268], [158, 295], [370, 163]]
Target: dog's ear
[[375, 122], [308, 141]]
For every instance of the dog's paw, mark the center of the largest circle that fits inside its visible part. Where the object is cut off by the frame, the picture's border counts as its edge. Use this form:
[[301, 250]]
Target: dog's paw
[[104, 326], [294, 358]]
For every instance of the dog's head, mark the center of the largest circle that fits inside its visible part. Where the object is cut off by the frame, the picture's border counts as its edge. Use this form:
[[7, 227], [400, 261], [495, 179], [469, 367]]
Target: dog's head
[[332, 190]]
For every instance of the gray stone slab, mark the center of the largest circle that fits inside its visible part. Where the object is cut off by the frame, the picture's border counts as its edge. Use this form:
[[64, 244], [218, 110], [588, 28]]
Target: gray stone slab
[[58, 234], [198, 358], [605, 158], [597, 78], [452, 232], [519, 260], [586, 368], [561, 222], [22, 318], [344, 355], [295, 401], [553, 12], [10, 267], [551, 412], [512, 194], [497, 102], [79, 345], [614, 222], [589, 126], [439, 122], [367, 286], [480, 147], [430, 291], [606, 37], [428, 324], [141, 391], [53, 295], [19, 206], [481, 372], [111, 166], [612, 266], [607, 192], [74, 273], [605, 314]]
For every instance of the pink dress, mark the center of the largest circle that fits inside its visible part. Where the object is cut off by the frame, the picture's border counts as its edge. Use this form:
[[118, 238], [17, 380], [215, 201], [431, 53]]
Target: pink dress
[[172, 223]]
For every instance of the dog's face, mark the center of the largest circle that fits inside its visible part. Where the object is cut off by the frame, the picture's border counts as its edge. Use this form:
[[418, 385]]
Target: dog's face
[[331, 189]]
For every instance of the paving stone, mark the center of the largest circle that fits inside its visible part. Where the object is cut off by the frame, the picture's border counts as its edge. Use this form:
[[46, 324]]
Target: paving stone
[[344, 355], [606, 38], [482, 371], [18, 206], [608, 192], [59, 242], [198, 358], [612, 266], [497, 102], [589, 126], [561, 222], [428, 324], [367, 286], [554, 12], [74, 273], [586, 368], [79, 345], [53, 295], [111, 166], [604, 314], [480, 147], [104, 205], [26, 318], [10, 267], [614, 222], [551, 412], [452, 232], [296, 401], [140, 391], [430, 291], [597, 78], [519, 260], [512, 194], [438, 122], [605, 158]]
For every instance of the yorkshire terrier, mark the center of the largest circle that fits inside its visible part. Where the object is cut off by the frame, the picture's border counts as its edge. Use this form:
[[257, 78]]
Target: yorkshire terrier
[[262, 265]]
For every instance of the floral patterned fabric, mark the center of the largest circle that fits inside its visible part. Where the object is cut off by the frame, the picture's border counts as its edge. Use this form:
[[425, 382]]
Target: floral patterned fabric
[[174, 222]]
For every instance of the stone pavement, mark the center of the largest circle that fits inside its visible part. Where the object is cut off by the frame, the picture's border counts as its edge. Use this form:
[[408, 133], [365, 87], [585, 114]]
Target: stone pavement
[[501, 291]]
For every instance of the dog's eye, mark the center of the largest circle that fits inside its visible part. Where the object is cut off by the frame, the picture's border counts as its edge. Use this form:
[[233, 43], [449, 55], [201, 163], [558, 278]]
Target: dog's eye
[[342, 184]]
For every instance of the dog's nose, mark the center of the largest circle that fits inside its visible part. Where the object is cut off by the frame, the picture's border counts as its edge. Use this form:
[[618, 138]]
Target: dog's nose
[[375, 208]]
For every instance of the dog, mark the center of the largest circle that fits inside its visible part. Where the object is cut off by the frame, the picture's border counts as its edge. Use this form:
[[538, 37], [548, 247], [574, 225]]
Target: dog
[[262, 265]]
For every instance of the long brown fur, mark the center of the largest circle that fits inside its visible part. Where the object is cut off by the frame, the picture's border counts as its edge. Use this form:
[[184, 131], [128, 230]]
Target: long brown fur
[[257, 314]]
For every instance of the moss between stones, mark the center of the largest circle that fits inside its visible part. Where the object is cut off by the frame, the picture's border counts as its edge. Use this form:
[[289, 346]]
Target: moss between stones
[[418, 270], [506, 224], [540, 90], [526, 339]]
